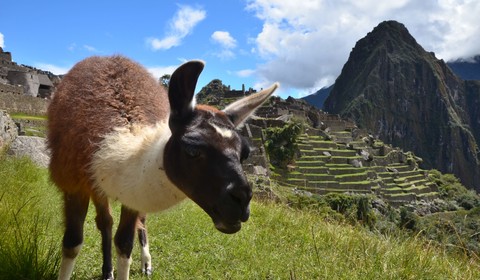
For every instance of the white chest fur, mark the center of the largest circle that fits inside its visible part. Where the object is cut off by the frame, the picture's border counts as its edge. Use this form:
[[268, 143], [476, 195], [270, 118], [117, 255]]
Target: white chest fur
[[129, 167]]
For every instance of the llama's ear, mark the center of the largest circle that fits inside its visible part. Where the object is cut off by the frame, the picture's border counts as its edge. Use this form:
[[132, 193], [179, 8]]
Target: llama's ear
[[240, 110], [181, 90]]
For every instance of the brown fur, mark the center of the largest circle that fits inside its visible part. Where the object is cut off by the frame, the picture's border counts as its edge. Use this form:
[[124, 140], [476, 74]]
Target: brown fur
[[204, 107], [114, 92]]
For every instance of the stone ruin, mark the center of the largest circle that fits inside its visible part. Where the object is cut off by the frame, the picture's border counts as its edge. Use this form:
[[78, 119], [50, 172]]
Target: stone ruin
[[23, 79], [335, 156]]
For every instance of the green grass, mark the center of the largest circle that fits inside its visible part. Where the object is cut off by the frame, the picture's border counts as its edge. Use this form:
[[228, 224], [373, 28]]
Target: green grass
[[276, 243], [28, 117], [30, 223], [340, 176], [33, 125]]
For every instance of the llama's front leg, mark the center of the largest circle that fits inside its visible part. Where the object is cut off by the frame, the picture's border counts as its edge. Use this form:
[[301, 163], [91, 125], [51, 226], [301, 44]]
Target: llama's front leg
[[124, 241], [104, 223], [145, 250], [75, 207]]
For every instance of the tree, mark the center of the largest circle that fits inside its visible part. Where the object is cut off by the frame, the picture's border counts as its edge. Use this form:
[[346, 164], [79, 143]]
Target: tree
[[165, 80]]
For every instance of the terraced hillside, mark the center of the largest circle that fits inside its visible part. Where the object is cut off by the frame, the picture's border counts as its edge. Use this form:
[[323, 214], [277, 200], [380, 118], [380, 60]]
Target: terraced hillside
[[338, 157], [329, 165], [334, 155]]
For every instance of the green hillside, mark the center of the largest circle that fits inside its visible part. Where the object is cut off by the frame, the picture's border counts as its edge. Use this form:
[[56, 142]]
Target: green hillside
[[278, 242]]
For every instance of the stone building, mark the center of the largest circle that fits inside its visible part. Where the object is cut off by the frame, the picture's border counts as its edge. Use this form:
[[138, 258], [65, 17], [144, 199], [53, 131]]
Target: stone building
[[20, 79]]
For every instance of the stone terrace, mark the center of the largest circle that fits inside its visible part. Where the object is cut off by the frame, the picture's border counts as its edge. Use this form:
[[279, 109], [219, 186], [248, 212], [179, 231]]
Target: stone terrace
[[333, 166], [337, 157]]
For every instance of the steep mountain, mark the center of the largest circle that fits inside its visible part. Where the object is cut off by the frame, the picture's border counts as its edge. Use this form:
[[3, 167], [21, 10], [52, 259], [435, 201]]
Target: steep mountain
[[318, 98], [466, 69], [395, 89]]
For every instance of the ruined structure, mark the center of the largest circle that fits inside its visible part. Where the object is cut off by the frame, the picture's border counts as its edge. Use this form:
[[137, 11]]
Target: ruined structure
[[333, 156], [25, 80], [217, 94]]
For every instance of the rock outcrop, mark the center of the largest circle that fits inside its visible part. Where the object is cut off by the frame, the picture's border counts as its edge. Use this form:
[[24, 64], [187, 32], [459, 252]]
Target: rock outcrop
[[8, 130], [401, 93], [20, 146], [32, 147]]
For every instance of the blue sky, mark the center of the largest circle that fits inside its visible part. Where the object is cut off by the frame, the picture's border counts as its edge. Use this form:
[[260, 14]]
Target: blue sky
[[301, 44]]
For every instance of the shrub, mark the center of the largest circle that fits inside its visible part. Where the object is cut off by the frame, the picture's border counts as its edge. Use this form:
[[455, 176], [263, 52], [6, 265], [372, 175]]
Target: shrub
[[341, 203], [281, 144], [451, 189], [459, 230], [408, 219], [339, 207], [468, 200]]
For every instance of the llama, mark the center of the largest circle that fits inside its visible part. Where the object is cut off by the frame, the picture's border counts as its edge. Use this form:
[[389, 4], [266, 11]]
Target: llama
[[115, 133]]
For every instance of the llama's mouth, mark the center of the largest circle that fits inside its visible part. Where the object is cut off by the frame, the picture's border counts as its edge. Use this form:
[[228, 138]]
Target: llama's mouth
[[228, 228], [228, 223]]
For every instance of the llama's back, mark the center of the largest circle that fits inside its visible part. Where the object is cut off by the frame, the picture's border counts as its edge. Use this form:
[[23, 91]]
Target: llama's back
[[96, 96]]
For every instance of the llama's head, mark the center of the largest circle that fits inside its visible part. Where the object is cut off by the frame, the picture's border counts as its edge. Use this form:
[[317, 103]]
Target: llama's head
[[204, 154]]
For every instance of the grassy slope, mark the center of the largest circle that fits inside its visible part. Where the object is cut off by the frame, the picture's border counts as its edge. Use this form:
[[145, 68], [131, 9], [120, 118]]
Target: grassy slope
[[276, 243]]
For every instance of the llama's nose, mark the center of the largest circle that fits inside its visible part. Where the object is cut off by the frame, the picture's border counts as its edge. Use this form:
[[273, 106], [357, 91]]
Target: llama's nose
[[241, 194]]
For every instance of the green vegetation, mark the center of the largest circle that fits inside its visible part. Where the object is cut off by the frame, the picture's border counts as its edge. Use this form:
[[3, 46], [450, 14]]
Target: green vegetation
[[281, 143], [278, 242], [21, 116], [459, 230], [453, 191], [31, 125], [30, 225]]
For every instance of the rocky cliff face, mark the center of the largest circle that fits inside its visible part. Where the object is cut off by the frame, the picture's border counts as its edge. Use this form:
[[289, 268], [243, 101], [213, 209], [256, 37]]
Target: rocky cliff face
[[395, 89]]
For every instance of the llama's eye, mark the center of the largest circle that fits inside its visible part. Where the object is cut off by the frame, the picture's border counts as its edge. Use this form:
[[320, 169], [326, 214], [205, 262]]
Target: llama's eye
[[192, 151]]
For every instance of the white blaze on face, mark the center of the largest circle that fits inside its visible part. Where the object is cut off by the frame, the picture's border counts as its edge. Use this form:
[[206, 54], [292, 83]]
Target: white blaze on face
[[224, 132]]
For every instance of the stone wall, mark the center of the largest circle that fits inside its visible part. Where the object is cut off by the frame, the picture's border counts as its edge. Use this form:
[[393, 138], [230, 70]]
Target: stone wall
[[30, 81], [6, 56], [10, 65], [15, 103], [35, 82], [6, 88]]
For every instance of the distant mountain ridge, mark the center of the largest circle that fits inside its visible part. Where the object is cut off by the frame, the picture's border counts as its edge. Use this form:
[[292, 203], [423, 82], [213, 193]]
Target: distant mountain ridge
[[466, 69], [318, 98], [395, 89]]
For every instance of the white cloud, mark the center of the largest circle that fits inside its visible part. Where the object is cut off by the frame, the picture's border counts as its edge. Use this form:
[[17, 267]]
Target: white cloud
[[57, 70], [73, 47], [2, 41], [90, 48], [224, 39], [224, 54], [227, 44], [305, 46], [245, 73], [165, 43], [158, 71], [180, 26]]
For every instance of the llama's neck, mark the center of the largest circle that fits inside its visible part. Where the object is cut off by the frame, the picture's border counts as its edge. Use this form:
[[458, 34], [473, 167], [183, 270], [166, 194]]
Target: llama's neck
[[129, 167]]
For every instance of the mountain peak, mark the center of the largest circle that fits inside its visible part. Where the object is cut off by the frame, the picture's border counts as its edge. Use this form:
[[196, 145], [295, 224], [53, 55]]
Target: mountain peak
[[398, 91]]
